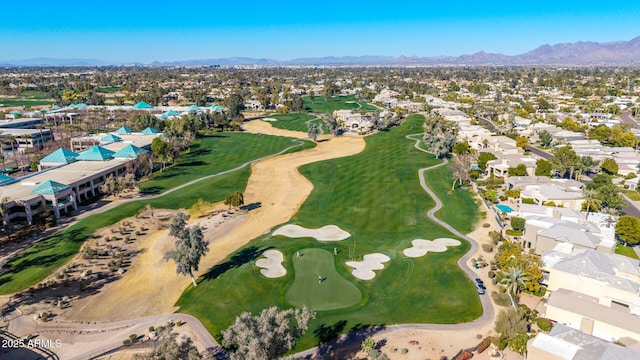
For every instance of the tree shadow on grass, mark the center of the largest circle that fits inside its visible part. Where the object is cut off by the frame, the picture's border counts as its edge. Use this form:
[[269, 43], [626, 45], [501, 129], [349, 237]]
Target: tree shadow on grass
[[152, 190], [326, 333], [238, 259], [347, 345], [216, 135], [29, 258], [40, 261], [4, 280], [197, 151], [192, 163]]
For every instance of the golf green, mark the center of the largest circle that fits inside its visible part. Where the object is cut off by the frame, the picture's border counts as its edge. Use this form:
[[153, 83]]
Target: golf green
[[330, 293]]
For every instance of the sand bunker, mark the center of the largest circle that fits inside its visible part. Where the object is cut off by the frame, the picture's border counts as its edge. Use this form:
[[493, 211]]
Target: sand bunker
[[325, 233], [269, 119], [364, 269], [271, 264], [422, 247]]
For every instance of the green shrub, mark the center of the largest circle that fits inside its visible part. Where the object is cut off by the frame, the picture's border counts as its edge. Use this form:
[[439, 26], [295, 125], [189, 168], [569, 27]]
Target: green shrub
[[495, 236], [517, 223], [489, 195], [501, 299], [515, 193], [133, 337], [541, 291], [544, 324], [514, 232], [501, 343], [126, 342], [486, 225], [527, 201], [487, 248]]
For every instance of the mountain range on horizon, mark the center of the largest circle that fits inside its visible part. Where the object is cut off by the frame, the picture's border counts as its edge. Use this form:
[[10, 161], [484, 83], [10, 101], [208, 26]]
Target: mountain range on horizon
[[582, 53]]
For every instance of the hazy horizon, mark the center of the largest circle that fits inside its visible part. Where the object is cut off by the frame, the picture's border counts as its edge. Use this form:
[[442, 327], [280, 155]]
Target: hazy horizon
[[150, 31]]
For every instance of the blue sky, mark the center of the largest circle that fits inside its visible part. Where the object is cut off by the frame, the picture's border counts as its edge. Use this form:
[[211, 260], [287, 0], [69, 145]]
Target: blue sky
[[144, 31]]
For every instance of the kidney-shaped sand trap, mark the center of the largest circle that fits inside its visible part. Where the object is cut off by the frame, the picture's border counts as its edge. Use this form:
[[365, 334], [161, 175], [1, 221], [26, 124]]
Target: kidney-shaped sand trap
[[271, 264], [325, 233], [422, 247], [364, 269]]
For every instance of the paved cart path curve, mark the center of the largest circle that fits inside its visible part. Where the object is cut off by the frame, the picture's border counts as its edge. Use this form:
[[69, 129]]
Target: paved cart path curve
[[488, 311]]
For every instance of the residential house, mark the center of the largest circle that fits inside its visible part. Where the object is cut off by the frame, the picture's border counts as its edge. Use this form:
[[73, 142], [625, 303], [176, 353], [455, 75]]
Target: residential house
[[594, 292], [546, 227], [353, 121], [543, 190], [566, 343]]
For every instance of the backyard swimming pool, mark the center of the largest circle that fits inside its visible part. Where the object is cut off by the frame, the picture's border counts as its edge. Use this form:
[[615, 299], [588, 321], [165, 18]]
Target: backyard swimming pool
[[504, 208]]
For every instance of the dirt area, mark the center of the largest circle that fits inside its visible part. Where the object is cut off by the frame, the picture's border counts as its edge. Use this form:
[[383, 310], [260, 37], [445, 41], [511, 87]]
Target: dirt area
[[435, 345], [102, 260], [143, 288]]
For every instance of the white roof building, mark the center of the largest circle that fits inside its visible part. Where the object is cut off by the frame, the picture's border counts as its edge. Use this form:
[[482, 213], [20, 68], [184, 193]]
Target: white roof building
[[565, 343]]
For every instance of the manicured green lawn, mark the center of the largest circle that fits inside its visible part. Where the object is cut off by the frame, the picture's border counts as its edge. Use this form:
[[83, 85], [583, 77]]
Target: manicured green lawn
[[35, 263], [633, 195], [109, 90], [440, 181], [11, 102], [35, 94], [377, 198], [215, 153], [332, 292], [626, 251], [296, 122], [322, 106]]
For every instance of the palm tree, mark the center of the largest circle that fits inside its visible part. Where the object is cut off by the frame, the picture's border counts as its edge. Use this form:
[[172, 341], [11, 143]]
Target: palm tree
[[40, 127], [515, 278], [11, 140], [591, 200], [611, 211]]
